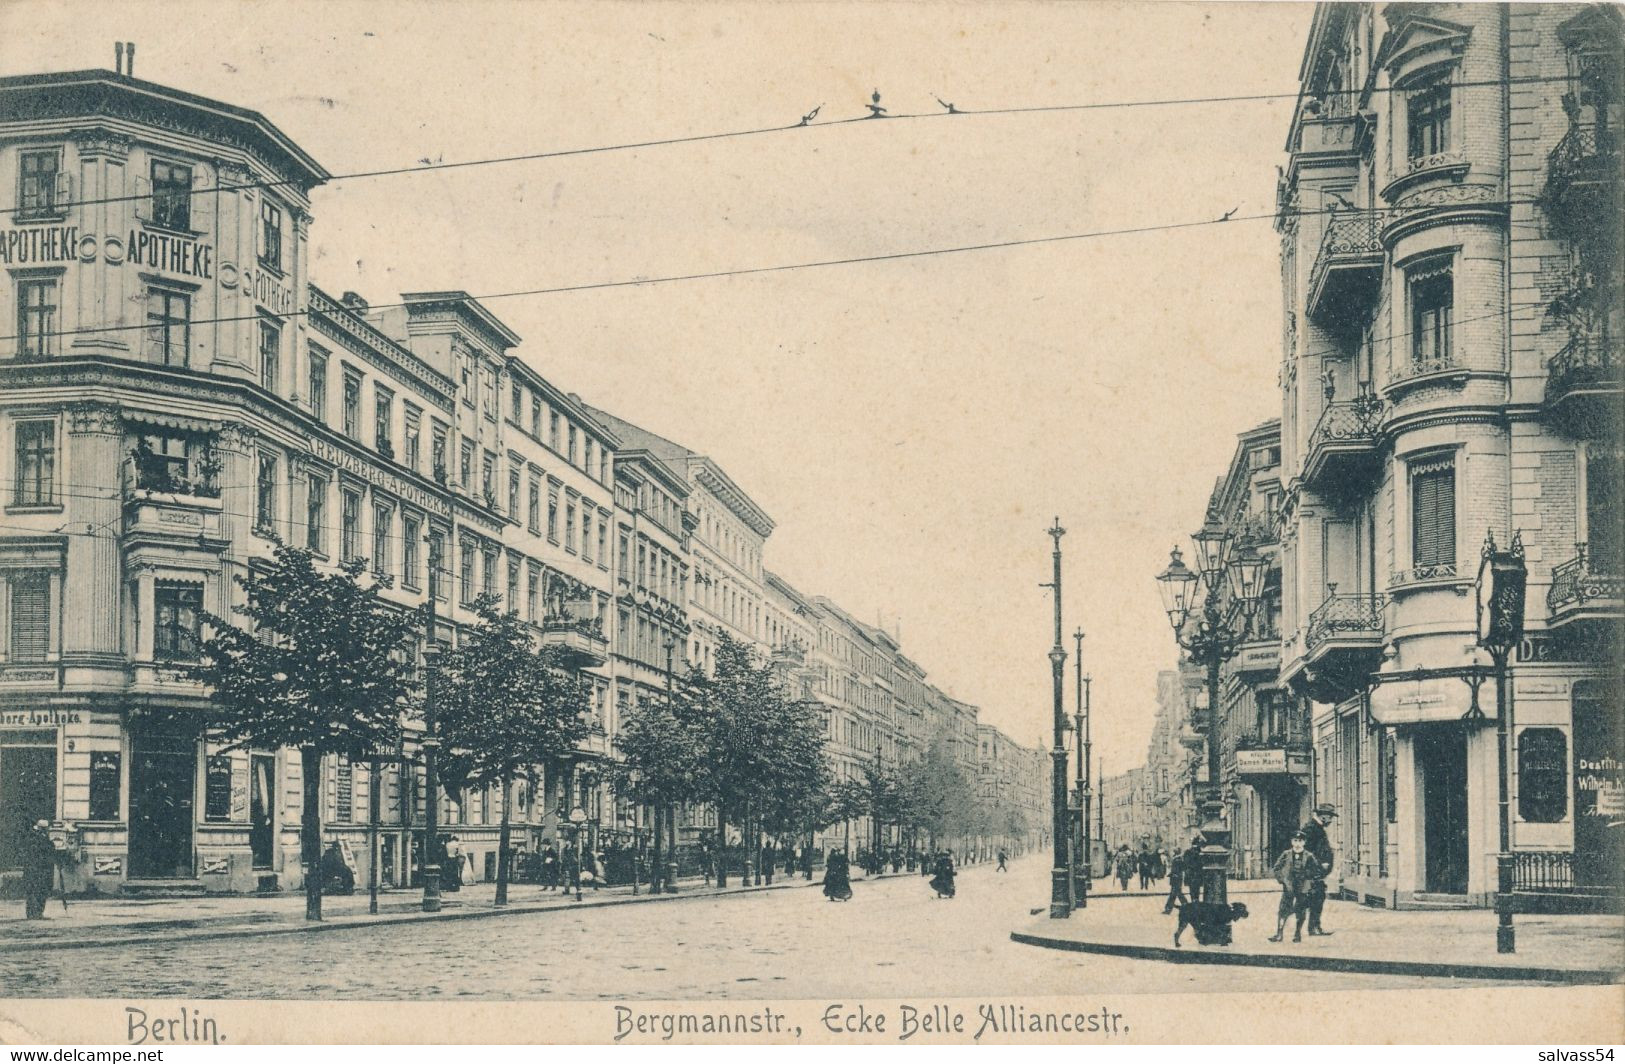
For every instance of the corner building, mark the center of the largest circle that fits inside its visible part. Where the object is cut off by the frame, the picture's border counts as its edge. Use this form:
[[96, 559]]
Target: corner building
[[1449, 222]]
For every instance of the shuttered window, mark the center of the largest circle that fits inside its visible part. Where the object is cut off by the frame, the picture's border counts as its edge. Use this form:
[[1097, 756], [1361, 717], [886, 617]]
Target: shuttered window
[[30, 616], [1433, 513]]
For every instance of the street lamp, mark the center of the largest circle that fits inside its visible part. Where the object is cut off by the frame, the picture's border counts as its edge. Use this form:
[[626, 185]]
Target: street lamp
[[1080, 850], [669, 872], [1502, 581], [1060, 878], [1231, 582]]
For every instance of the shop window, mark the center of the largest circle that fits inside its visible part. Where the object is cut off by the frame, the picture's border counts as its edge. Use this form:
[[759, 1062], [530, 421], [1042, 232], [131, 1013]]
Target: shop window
[[36, 318], [1543, 781], [104, 784], [30, 616], [178, 616], [35, 463]]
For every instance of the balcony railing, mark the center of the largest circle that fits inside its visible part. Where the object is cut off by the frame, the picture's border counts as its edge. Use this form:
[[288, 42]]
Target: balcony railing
[[1586, 159], [1348, 268], [196, 477], [1582, 580], [1344, 441], [1344, 615], [1349, 421], [1585, 360]]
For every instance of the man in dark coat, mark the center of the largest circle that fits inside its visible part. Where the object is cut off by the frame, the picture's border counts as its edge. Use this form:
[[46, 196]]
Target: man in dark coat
[[1185, 872], [39, 869], [1319, 847]]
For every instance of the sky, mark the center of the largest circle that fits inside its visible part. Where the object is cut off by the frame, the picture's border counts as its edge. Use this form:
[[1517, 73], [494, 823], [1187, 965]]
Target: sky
[[913, 426]]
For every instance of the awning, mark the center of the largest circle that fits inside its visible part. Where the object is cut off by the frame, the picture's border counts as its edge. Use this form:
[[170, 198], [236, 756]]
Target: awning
[[156, 419]]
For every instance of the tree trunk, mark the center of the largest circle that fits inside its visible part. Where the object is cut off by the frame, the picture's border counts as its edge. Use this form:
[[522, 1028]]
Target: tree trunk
[[720, 847], [310, 830], [504, 836], [655, 867]]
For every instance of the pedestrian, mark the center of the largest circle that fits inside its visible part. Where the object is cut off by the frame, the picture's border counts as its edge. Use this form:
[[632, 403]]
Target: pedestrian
[[1319, 847], [943, 881], [1004, 859], [40, 858], [337, 875], [1142, 864], [451, 869], [1184, 873], [1124, 866], [550, 868], [837, 877], [1296, 870]]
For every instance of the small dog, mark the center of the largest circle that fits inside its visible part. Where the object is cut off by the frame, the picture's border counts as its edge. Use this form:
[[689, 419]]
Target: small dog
[[1209, 920]]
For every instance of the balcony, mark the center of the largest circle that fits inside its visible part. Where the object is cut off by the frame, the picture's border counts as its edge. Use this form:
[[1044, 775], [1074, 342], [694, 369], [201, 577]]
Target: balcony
[[1348, 270], [789, 655], [1583, 385], [1342, 644], [1579, 173], [1585, 587], [581, 637], [1343, 448]]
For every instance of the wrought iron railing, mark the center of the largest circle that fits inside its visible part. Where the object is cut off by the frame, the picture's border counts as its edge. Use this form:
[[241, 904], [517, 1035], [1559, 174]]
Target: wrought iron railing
[[1564, 872], [1583, 579], [1585, 153], [1292, 731], [1350, 421], [1351, 233], [1344, 615], [1585, 359], [1418, 574], [1420, 365]]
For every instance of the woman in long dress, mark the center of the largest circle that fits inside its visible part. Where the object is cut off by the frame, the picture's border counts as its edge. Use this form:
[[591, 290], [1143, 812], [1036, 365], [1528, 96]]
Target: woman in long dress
[[837, 877], [943, 881]]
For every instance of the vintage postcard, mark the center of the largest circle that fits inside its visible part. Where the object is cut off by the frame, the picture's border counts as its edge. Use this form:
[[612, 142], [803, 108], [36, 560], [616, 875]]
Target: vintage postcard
[[828, 523]]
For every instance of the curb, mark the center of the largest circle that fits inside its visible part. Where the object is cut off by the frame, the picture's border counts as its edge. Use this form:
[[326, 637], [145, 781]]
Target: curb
[[351, 923], [1351, 965]]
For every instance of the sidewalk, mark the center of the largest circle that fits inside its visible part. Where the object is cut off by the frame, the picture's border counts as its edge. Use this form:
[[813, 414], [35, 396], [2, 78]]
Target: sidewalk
[[100, 921], [1439, 944]]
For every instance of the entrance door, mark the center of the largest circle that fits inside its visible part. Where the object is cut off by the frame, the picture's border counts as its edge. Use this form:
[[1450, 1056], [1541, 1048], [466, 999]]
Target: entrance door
[[27, 790], [1283, 821], [163, 774], [261, 806], [1442, 753]]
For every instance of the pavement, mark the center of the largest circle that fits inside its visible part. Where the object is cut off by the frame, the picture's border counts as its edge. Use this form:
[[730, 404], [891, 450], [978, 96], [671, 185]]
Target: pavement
[[894, 939], [1457, 944]]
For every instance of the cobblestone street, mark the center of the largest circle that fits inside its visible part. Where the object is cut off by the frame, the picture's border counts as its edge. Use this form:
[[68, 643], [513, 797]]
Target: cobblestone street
[[893, 939]]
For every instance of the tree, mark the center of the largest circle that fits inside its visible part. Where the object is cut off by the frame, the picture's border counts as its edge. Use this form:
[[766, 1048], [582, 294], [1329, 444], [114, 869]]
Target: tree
[[664, 758], [324, 665], [796, 779], [506, 708]]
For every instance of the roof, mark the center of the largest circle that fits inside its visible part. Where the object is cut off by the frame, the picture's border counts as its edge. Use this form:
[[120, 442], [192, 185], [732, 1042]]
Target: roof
[[470, 308], [79, 93]]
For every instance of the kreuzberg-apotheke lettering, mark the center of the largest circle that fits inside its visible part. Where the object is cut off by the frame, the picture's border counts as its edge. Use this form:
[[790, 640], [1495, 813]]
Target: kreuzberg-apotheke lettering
[[349, 463]]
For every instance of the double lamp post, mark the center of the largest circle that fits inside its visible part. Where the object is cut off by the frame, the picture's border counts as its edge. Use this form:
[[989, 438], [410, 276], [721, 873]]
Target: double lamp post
[[1230, 579]]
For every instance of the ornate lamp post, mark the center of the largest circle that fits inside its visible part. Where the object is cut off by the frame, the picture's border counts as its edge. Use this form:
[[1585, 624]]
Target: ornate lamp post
[[1060, 906], [1232, 582], [1502, 580], [1080, 831], [669, 872]]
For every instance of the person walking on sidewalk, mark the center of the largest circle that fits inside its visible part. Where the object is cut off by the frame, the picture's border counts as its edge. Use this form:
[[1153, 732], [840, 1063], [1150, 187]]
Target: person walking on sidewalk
[[550, 868], [40, 858], [1185, 870], [1004, 859], [1124, 866], [1296, 870], [1320, 848], [1143, 864]]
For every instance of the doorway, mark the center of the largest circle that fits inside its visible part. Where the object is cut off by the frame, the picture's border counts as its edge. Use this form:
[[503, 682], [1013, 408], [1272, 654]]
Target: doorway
[[261, 809], [1441, 753], [27, 790], [163, 777]]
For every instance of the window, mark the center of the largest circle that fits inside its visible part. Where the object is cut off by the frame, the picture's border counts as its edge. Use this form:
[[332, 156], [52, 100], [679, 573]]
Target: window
[[571, 454], [270, 356], [603, 542], [1427, 117], [533, 593], [586, 461], [178, 620], [552, 516], [36, 464], [553, 430], [465, 378], [316, 514], [318, 385], [1433, 513], [518, 401], [171, 195], [37, 173], [488, 478], [465, 469], [383, 409], [513, 584], [411, 451], [536, 417], [411, 532], [352, 405], [437, 452], [570, 526], [270, 235], [169, 326], [1432, 296], [621, 559], [265, 494], [465, 570], [1605, 539], [488, 571], [513, 494], [175, 462], [533, 507], [383, 519], [586, 532], [349, 525], [603, 467], [488, 381], [1543, 778], [437, 560], [36, 318], [30, 616]]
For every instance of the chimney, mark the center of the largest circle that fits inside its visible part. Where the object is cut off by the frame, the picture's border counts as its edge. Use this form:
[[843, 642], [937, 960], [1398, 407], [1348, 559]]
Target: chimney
[[129, 58], [118, 56], [355, 303]]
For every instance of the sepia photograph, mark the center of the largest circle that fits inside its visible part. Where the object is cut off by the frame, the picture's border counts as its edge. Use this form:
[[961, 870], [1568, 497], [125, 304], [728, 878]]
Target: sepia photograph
[[728, 521]]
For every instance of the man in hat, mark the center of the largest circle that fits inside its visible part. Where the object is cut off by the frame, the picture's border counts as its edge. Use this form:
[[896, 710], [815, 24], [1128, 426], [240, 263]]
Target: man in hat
[[1185, 875], [1297, 871], [1320, 848], [40, 857]]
